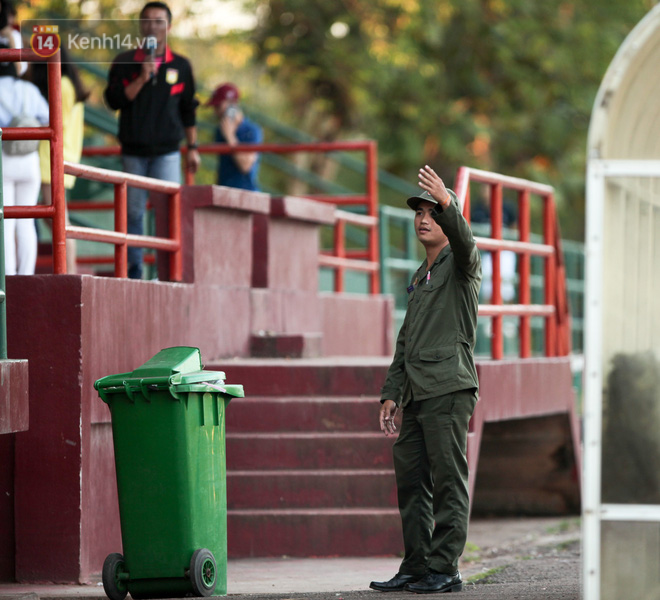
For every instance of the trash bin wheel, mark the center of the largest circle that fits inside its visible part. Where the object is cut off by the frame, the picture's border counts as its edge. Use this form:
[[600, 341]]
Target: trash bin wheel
[[202, 572], [115, 588]]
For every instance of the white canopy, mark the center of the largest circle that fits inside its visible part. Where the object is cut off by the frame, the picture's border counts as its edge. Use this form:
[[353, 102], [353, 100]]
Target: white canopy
[[621, 484], [625, 122]]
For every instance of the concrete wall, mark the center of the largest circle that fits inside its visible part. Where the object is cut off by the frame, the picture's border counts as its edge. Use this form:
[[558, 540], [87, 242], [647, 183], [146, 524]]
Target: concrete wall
[[14, 407], [59, 474]]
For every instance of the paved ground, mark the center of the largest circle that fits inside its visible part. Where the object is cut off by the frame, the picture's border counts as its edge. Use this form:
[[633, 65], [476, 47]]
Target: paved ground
[[512, 559]]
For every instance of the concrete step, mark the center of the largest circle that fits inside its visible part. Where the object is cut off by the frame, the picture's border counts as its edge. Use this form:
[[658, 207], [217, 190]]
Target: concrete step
[[303, 413], [330, 532], [309, 473], [334, 376], [282, 345], [307, 488], [354, 450]]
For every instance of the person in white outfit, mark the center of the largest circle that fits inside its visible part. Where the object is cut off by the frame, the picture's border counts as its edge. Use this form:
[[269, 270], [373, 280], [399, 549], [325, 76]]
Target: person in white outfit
[[21, 178], [10, 34]]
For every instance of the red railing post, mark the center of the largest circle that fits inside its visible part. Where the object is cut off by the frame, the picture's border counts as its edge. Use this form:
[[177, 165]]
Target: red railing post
[[340, 252], [360, 260], [497, 342], [176, 258], [121, 250], [524, 268], [188, 175], [467, 207], [550, 275], [372, 195], [463, 186], [550, 250], [56, 164]]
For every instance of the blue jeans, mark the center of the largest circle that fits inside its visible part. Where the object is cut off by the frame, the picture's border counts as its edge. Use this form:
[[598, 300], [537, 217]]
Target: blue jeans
[[166, 167]]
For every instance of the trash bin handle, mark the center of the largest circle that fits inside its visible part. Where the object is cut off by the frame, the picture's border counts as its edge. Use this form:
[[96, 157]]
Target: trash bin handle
[[151, 384], [129, 392], [213, 385], [102, 393]]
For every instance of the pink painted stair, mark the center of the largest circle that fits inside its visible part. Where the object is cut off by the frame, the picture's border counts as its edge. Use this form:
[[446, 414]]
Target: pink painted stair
[[308, 471]]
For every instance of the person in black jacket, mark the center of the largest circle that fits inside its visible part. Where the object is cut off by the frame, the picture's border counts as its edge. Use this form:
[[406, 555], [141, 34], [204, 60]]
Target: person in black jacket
[[155, 95]]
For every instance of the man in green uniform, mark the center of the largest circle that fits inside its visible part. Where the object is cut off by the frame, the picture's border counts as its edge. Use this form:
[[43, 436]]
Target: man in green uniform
[[434, 379]]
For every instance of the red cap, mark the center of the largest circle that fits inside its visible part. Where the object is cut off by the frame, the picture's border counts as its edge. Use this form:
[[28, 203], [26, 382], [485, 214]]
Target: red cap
[[227, 91]]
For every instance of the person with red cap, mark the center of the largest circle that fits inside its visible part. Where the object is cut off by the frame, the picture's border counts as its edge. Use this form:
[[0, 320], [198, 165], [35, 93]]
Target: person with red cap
[[239, 169]]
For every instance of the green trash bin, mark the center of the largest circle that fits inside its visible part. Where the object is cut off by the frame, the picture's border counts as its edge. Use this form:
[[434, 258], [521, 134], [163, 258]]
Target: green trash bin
[[168, 429]]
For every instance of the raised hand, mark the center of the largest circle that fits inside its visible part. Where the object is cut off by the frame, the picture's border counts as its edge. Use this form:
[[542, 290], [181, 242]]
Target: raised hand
[[430, 181]]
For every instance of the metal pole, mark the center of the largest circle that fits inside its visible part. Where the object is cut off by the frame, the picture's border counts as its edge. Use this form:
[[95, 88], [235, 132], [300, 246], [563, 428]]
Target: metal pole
[[121, 250], [497, 341], [372, 210], [176, 259], [3, 308], [550, 275], [593, 381], [340, 252], [56, 166], [524, 293]]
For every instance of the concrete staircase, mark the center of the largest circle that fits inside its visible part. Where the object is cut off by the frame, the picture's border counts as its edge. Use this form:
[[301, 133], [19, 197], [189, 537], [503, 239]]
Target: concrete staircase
[[308, 471]]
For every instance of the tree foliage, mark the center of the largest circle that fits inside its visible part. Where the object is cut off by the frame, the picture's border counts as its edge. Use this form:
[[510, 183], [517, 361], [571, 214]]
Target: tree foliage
[[503, 85]]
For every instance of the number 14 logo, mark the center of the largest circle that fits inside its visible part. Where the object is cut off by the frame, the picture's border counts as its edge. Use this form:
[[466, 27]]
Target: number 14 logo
[[45, 40]]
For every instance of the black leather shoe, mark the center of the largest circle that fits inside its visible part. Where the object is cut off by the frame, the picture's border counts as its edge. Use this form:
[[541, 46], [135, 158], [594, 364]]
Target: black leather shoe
[[436, 583], [396, 584]]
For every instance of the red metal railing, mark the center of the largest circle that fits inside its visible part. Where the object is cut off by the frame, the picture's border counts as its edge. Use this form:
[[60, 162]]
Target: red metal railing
[[120, 238], [53, 133], [555, 309], [340, 259]]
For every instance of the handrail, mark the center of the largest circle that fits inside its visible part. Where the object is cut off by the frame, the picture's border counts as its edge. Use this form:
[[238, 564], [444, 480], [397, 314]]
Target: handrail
[[341, 260], [53, 133], [120, 238], [555, 309], [56, 210]]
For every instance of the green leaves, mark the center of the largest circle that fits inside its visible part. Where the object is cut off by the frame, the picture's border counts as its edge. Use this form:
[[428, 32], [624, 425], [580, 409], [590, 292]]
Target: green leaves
[[506, 85]]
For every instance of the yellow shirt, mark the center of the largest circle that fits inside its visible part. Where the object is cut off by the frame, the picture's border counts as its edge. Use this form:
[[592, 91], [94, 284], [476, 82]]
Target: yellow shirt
[[73, 123]]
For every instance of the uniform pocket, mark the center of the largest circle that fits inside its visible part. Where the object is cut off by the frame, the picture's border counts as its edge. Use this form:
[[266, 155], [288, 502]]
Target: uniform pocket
[[437, 354], [433, 295], [437, 365]]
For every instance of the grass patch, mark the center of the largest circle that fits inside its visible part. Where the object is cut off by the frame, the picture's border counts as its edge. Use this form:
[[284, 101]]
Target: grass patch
[[567, 545], [471, 553], [482, 577], [564, 526]]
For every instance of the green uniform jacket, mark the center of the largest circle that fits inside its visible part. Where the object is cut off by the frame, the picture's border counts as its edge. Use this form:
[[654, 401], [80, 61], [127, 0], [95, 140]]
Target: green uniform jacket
[[434, 349]]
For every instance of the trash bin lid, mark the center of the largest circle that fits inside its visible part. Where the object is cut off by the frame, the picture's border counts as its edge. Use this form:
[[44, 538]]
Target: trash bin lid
[[178, 359], [169, 369]]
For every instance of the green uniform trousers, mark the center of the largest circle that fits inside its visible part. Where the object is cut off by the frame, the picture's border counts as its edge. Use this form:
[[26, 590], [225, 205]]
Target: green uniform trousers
[[432, 481]]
